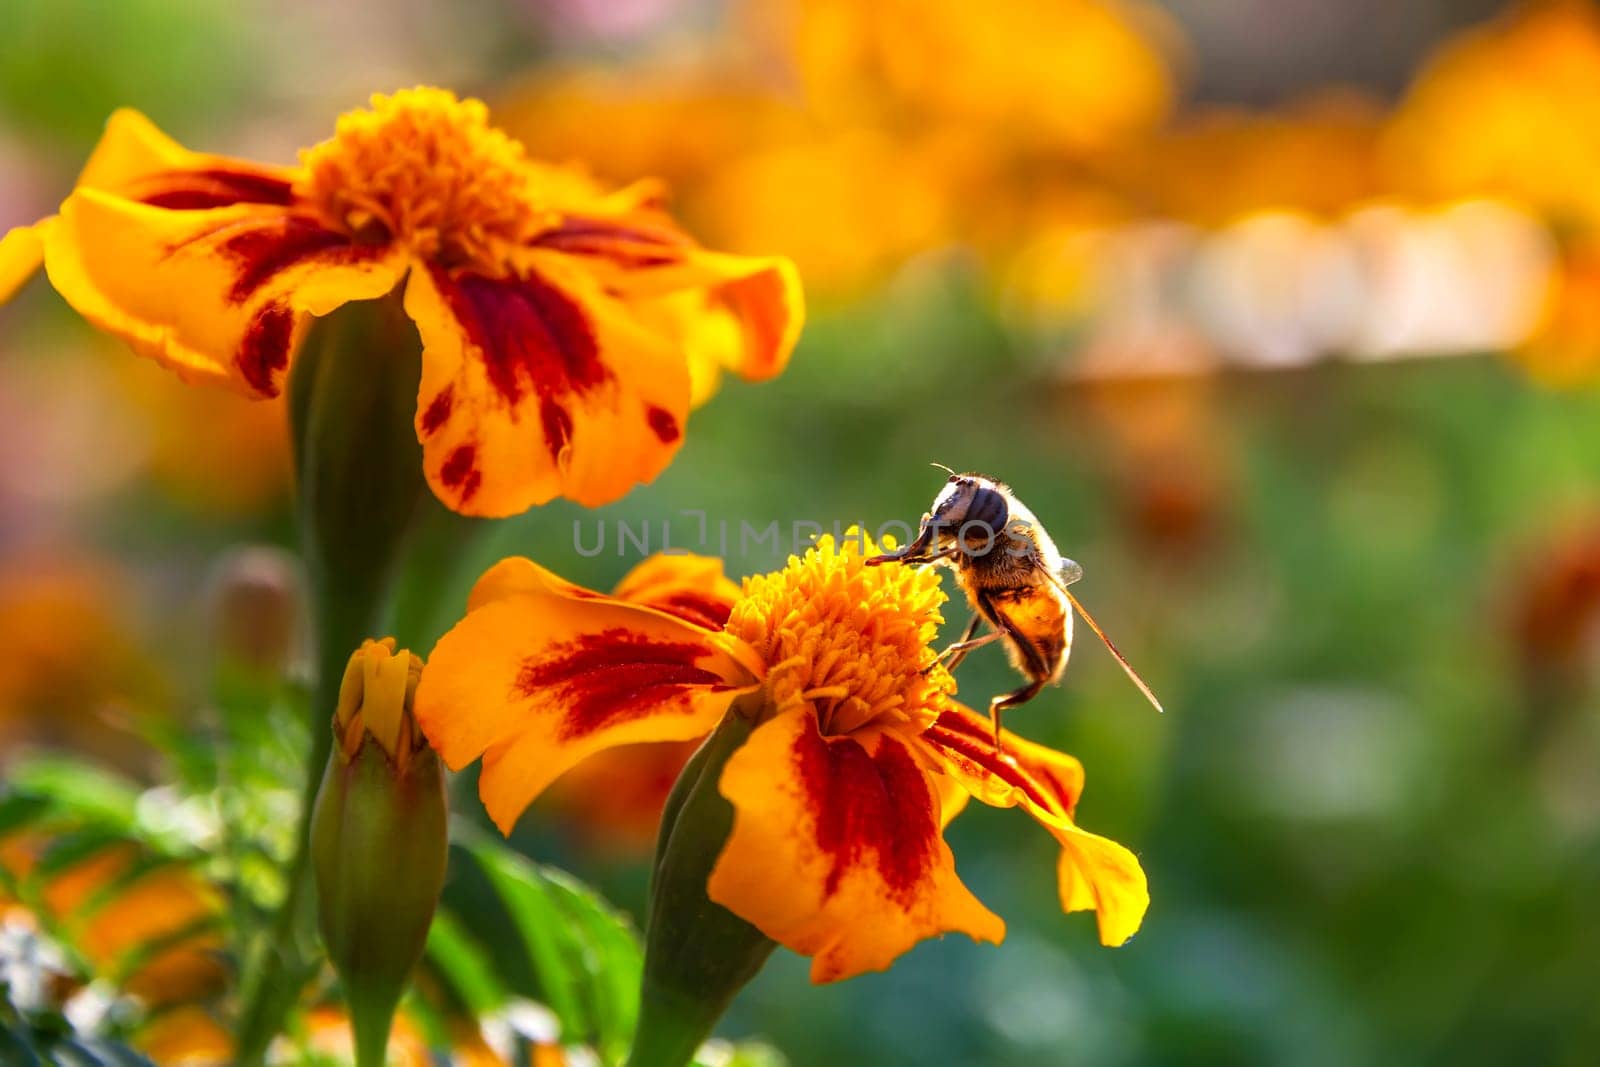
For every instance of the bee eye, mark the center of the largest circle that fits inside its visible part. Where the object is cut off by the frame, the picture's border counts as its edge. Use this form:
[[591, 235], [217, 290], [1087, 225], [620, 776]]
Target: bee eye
[[988, 507]]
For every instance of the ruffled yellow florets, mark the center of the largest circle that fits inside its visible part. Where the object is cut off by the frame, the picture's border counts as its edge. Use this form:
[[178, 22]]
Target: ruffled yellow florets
[[851, 639], [426, 169]]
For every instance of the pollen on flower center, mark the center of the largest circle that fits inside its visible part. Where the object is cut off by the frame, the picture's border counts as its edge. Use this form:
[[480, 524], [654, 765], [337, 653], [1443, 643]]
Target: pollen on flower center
[[426, 169], [851, 639]]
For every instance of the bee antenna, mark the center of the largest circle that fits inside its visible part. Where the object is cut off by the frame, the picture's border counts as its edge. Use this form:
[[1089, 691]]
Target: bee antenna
[[942, 467], [1127, 667]]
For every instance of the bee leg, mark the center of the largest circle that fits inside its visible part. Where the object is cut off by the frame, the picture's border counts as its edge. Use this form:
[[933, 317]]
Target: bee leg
[[958, 651], [1011, 700]]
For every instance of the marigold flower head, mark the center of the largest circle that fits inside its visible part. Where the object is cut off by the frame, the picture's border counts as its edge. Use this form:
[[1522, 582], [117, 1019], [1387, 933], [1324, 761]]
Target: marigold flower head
[[849, 639], [858, 759], [559, 338]]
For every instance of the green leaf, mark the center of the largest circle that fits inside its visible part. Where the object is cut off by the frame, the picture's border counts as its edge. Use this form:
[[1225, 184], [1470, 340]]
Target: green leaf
[[14, 1050], [96, 1053], [89, 793], [583, 955], [463, 966], [613, 959], [23, 1044], [555, 956], [69, 849], [751, 1054], [18, 810]]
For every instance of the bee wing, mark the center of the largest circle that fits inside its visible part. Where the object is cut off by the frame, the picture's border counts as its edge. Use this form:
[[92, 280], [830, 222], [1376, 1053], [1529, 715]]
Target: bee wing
[[1074, 572]]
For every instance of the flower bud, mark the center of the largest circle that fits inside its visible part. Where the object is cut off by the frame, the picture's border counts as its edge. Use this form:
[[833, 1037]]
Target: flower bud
[[378, 839], [698, 954], [257, 608]]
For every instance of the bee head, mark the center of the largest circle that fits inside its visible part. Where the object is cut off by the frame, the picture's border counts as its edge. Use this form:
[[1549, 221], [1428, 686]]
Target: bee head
[[969, 514]]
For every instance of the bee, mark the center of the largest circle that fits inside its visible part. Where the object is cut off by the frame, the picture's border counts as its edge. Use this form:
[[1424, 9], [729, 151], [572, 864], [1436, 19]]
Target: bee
[[1015, 579]]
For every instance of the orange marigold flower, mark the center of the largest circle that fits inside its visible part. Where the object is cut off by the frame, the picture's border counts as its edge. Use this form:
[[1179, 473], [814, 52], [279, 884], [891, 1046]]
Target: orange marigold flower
[[556, 356], [841, 793]]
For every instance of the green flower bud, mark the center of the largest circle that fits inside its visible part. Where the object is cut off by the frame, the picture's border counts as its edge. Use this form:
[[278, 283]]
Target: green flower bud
[[698, 954], [378, 840]]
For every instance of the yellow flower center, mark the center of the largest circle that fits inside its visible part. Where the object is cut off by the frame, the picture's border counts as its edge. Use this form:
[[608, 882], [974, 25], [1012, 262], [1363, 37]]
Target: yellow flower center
[[426, 169], [852, 640]]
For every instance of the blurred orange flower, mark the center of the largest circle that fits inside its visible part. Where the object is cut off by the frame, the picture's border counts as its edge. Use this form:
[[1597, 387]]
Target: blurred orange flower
[[840, 796], [216, 452], [1056, 75], [186, 1036], [1509, 109], [1564, 348], [152, 929], [543, 372], [1317, 155], [71, 663], [855, 136]]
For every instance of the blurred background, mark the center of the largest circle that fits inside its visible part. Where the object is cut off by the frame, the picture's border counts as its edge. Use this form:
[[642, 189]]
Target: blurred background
[[1283, 315]]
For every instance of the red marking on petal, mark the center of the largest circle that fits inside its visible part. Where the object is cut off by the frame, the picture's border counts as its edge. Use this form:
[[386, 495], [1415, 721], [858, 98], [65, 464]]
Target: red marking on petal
[[263, 251], [529, 334], [438, 410], [213, 187], [557, 425], [970, 741], [264, 352], [612, 677], [460, 471], [701, 610], [664, 425], [628, 246], [869, 804]]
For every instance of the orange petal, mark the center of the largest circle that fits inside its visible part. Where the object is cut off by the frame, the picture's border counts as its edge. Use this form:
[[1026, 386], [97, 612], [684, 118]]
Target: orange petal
[[518, 575], [740, 313], [131, 148], [137, 161], [220, 295], [691, 587], [21, 252], [963, 742], [1097, 874], [763, 296], [836, 850], [536, 682], [539, 385]]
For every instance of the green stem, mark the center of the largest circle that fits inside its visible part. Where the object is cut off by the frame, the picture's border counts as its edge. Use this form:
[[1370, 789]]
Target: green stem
[[698, 954], [352, 393], [676, 1027], [371, 1021], [285, 960]]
